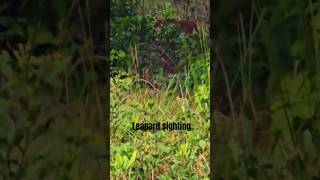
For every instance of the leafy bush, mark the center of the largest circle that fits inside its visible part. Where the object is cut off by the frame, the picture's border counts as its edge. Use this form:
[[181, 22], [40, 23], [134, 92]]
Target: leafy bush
[[44, 132], [142, 91], [163, 154], [275, 113], [36, 140]]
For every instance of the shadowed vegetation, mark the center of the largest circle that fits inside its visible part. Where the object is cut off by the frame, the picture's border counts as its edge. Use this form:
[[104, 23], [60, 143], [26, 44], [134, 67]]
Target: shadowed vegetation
[[267, 89], [51, 90]]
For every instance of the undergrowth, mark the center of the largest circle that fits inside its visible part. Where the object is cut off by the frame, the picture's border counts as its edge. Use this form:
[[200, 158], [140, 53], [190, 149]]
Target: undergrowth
[[270, 67], [162, 154], [144, 90]]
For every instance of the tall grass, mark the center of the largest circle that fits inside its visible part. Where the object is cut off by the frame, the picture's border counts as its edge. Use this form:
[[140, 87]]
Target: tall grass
[[161, 154], [156, 150], [277, 138]]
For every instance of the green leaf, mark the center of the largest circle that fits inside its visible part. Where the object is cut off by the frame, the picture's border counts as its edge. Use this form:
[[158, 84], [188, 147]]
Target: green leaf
[[133, 157], [296, 102], [308, 144], [202, 144], [297, 85], [304, 110], [280, 116], [298, 48], [118, 161], [125, 161]]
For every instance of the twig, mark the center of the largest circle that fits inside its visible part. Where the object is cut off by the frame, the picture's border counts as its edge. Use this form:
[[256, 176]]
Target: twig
[[147, 83], [228, 86]]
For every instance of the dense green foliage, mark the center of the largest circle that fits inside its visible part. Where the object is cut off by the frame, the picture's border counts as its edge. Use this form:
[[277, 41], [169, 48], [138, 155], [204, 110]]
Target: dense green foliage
[[271, 53], [266, 90], [144, 91], [51, 116]]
